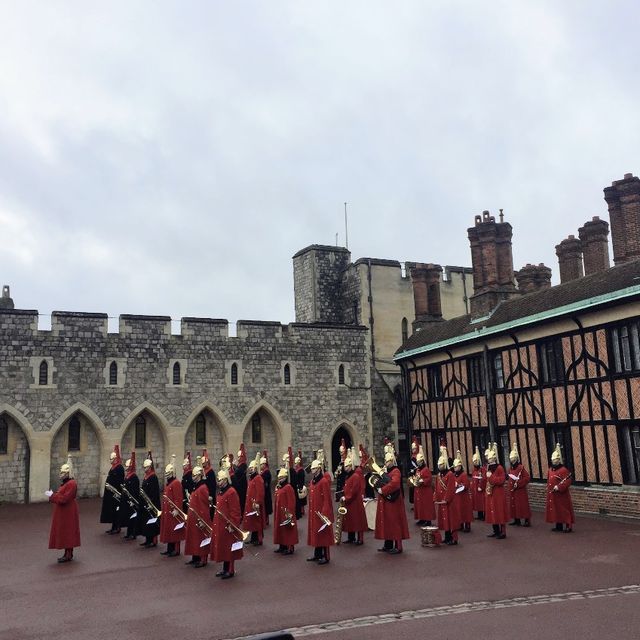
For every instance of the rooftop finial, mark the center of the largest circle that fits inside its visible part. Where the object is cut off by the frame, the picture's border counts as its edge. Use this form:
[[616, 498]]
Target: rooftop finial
[[501, 215]]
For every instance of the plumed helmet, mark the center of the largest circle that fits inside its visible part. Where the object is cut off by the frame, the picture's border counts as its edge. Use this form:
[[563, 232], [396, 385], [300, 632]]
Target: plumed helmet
[[297, 460], [355, 457], [242, 455], [147, 464], [67, 467], [316, 464], [282, 473], [263, 460], [457, 461], [389, 456], [170, 469], [197, 471], [186, 463], [492, 453], [420, 457], [443, 460], [556, 456], [514, 456], [414, 445], [285, 459], [223, 474], [476, 459]]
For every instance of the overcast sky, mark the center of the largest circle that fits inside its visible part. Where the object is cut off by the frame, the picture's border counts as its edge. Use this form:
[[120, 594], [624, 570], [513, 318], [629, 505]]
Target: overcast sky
[[170, 157]]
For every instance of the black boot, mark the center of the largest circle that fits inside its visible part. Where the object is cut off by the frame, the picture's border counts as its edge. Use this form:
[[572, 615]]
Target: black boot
[[496, 531]]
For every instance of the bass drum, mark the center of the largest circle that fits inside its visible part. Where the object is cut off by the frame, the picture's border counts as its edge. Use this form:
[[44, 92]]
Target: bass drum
[[370, 507]]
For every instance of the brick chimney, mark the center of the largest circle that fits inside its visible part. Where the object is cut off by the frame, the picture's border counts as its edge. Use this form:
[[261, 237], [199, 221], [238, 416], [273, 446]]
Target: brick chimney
[[533, 277], [426, 294], [569, 253], [623, 200], [492, 262], [594, 237], [5, 301]]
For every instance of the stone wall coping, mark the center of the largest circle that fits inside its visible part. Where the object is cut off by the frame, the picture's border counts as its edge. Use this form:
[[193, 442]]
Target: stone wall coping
[[128, 316], [192, 320], [18, 312], [78, 314], [322, 247], [379, 262]]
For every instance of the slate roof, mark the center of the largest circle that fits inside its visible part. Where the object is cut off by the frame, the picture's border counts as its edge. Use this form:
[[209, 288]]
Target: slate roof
[[583, 289]]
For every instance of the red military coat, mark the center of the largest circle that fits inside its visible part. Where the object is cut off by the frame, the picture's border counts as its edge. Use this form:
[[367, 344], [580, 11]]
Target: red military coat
[[198, 502], [285, 504], [320, 500], [495, 501], [423, 507], [478, 486], [65, 523], [463, 497], [446, 505], [518, 493], [559, 506], [167, 521], [391, 518], [228, 503], [356, 518], [255, 493]]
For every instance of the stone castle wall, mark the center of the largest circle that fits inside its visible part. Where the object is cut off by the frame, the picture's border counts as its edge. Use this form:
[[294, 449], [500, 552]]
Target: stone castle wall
[[78, 351]]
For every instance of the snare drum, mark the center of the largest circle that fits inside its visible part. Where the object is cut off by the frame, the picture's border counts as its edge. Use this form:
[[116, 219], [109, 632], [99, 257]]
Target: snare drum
[[370, 507], [430, 537]]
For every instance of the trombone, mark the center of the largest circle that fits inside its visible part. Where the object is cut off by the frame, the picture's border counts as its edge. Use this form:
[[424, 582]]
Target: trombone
[[181, 514], [116, 494], [240, 535], [202, 524], [325, 520], [149, 506], [130, 499]]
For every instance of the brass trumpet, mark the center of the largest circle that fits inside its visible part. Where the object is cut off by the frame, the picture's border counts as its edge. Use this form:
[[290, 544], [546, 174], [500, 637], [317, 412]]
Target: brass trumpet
[[149, 506], [288, 519], [116, 494], [240, 535]]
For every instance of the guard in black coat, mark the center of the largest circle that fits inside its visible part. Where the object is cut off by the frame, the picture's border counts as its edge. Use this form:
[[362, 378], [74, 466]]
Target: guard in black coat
[[188, 485], [266, 478], [130, 503], [148, 516], [210, 480], [110, 503], [239, 476]]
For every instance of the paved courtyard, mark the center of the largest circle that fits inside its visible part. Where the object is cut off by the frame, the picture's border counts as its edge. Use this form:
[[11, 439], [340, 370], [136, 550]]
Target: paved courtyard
[[534, 584]]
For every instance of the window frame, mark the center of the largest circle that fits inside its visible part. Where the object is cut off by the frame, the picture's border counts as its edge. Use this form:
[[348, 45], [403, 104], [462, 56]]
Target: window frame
[[256, 428], [342, 380], [140, 423], [176, 374], [233, 374], [4, 436], [201, 430], [73, 439], [43, 374], [625, 347], [551, 361], [113, 373], [286, 375], [476, 383]]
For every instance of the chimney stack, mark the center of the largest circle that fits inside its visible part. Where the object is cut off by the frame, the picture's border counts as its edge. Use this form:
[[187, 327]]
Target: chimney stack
[[5, 301], [533, 277], [492, 262], [426, 294], [594, 237], [623, 200], [569, 253]]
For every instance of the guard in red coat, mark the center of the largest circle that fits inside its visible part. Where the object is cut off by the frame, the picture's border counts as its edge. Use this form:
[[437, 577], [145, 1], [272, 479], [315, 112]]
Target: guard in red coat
[[254, 512], [320, 526], [65, 523], [423, 507], [463, 494], [495, 499], [391, 518], [518, 490], [172, 521], [559, 508], [355, 520], [285, 525], [198, 534], [444, 500], [227, 538], [478, 485]]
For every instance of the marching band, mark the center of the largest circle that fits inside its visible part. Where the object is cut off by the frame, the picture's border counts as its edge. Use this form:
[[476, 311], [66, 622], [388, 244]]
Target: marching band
[[217, 514]]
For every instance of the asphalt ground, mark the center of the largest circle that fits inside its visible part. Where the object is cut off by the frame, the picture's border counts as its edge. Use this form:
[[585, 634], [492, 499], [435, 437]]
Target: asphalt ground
[[534, 584]]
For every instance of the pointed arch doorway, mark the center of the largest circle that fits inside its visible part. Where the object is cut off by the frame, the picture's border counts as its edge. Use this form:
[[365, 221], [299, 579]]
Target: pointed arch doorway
[[341, 432]]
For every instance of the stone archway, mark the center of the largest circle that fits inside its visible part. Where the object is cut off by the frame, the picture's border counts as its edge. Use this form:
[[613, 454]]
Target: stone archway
[[77, 437], [14, 460], [206, 430], [144, 431], [341, 432], [262, 432]]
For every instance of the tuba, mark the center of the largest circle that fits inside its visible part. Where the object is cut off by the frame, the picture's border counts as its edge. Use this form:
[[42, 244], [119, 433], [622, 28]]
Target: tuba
[[379, 478]]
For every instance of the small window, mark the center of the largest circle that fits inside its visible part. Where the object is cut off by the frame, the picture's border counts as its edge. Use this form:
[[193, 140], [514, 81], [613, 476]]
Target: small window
[[341, 374], [475, 374], [434, 380], [405, 330], [201, 430], [73, 443], [256, 429], [43, 378], [551, 361], [498, 371], [287, 374], [631, 449], [626, 348], [234, 374], [4, 435], [176, 373], [141, 433], [113, 373]]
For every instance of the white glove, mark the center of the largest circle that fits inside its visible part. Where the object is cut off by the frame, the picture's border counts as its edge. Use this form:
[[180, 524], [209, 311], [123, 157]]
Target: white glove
[[174, 513], [48, 493], [379, 491]]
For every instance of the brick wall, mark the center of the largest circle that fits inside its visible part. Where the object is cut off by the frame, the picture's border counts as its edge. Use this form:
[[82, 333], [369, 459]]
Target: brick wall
[[612, 501]]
